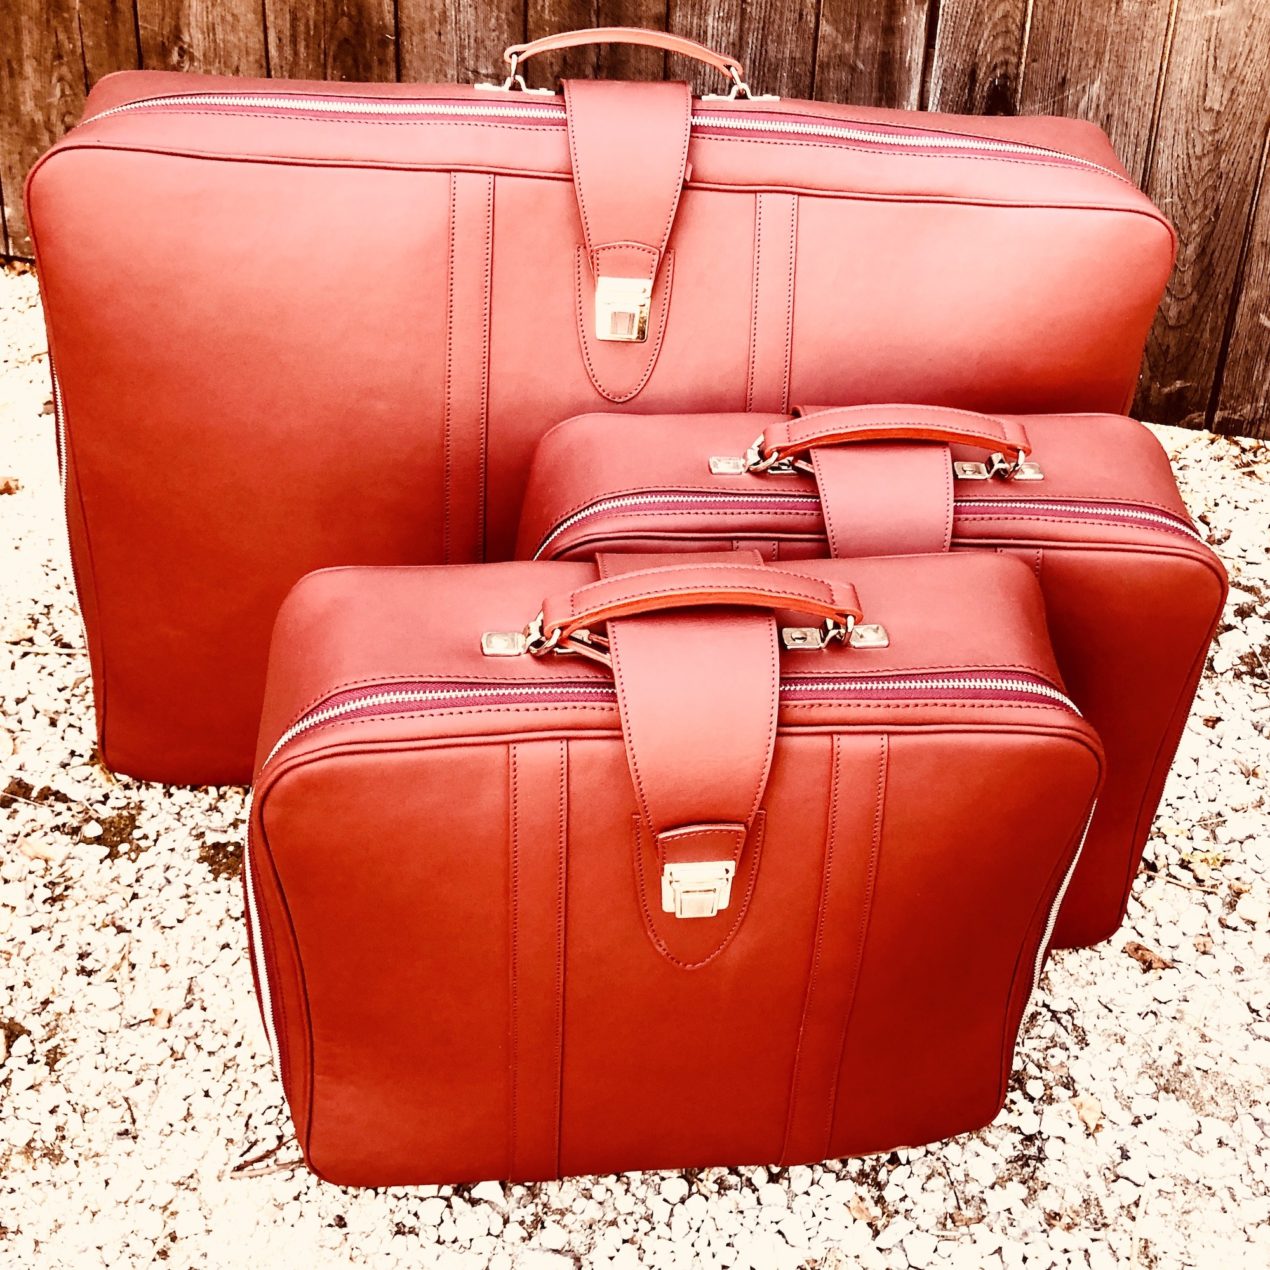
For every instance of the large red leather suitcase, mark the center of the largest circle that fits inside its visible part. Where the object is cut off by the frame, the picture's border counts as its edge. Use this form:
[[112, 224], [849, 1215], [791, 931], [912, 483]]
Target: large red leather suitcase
[[667, 894], [302, 324], [1133, 594]]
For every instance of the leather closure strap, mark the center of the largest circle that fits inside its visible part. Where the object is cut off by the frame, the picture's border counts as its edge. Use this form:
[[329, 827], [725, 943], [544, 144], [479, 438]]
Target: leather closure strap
[[698, 696], [882, 494], [628, 143]]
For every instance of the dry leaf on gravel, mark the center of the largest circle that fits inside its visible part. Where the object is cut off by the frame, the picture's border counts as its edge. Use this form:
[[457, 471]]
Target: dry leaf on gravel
[[9, 484], [1146, 957], [1089, 1111]]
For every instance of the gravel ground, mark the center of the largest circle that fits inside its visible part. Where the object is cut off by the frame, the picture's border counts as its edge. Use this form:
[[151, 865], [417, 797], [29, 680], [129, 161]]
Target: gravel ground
[[139, 1118]]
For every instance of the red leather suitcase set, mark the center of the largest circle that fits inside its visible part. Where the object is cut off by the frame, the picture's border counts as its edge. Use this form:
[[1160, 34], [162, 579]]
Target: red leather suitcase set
[[678, 847], [337, 318]]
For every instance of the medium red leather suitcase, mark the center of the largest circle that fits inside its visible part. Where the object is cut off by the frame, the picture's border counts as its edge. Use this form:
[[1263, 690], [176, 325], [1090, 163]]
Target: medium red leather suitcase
[[303, 324], [667, 893], [1132, 592]]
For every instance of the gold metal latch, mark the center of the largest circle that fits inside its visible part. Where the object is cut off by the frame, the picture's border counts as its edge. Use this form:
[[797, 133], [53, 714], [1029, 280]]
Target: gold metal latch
[[621, 309], [854, 635], [697, 888]]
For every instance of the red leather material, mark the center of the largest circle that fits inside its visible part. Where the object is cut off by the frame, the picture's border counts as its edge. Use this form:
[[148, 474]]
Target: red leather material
[[485, 985], [340, 334], [1132, 600], [687, 585], [812, 427], [863, 516], [625, 35]]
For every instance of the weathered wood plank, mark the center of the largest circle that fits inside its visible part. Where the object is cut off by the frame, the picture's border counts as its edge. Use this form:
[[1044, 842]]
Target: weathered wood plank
[[220, 37], [1099, 61], [606, 61], [774, 39], [455, 41], [41, 95], [1207, 150], [1243, 401], [872, 53], [978, 56], [332, 39], [108, 37]]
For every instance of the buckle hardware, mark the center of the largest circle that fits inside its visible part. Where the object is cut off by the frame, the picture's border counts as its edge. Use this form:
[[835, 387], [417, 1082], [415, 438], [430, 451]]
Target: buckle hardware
[[854, 635], [999, 465], [697, 888], [621, 309]]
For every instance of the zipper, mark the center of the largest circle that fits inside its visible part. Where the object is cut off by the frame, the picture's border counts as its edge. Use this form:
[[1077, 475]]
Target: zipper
[[1052, 920], [435, 694], [1131, 513], [793, 125]]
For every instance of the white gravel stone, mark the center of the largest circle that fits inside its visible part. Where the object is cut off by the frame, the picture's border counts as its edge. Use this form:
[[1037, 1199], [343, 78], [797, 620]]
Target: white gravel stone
[[141, 1114]]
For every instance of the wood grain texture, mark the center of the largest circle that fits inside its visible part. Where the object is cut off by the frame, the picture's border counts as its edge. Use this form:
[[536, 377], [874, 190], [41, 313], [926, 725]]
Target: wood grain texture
[[1099, 60], [872, 53], [1213, 118], [332, 39], [452, 41], [108, 37], [775, 40], [218, 37], [1242, 402], [978, 56], [605, 61], [41, 95]]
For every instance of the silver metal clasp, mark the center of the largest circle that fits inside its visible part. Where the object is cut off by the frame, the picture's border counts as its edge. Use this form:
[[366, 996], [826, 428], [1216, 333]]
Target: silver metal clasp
[[856, 635], [697, 888], [622, 307], [999, 466]]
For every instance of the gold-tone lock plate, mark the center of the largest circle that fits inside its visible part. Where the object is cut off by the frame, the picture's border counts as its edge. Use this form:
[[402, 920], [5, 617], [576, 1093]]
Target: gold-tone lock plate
[[504, 643], [697, 888], [621, 309]]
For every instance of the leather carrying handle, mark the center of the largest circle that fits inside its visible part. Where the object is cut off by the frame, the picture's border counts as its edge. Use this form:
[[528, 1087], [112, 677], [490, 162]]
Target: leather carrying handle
[[516, 54], [813, 428], [697, 586]]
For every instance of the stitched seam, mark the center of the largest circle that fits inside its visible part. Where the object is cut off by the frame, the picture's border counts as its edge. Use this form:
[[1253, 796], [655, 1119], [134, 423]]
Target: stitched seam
[[754, 299], [870, 889], [831, 833], [789, 301], [562, 844], [836, 547], [482, 471], [773, 714], [447, 501], [514, 1019], [730, 568], [946, 470]]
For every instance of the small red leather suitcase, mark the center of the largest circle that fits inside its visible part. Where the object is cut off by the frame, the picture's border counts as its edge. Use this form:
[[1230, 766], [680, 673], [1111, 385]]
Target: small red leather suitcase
[[1132, 592], [299, 324], [667, 893]]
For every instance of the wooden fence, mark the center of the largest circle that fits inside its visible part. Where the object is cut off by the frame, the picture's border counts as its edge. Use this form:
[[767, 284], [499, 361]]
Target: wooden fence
[[1182, 86]]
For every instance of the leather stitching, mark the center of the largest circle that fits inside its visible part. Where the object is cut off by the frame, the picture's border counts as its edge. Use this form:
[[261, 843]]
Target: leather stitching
[[789, 300], [482, 471], [754, 299], [870, 888], [514, 1012], [447, 497], [562, 846]]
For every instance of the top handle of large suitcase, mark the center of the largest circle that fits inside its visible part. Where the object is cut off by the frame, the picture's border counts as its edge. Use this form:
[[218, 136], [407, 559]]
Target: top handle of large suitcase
[[517, 54]]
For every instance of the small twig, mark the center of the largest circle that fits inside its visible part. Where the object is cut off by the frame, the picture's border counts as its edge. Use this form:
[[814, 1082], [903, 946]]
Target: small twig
[[19, 646], [283, 1166], [1191, 886], [259, 1158]]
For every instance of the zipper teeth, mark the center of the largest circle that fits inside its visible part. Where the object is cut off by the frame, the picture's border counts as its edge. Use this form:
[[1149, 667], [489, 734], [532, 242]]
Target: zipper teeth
[[617, 503], [373, 700], [1052, 920], [479, 110], [258, 953], [1121, 510], [643, 500], [339, 106]]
